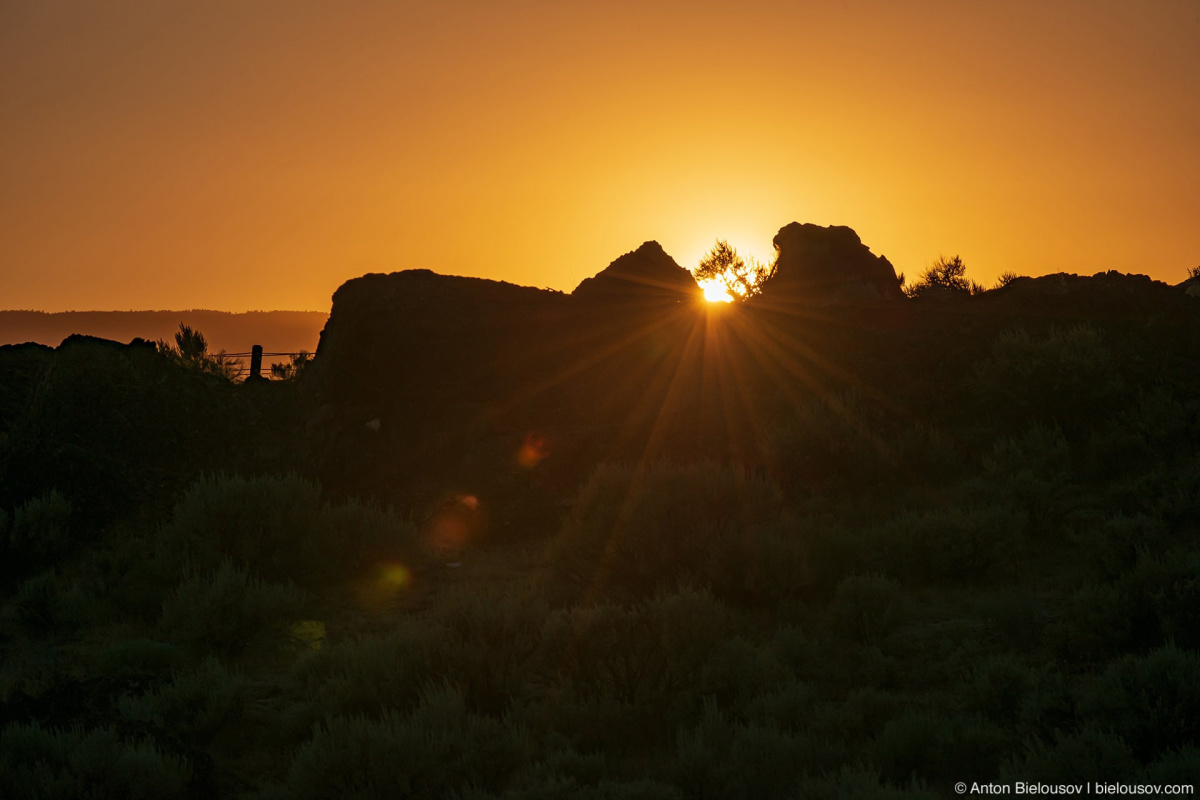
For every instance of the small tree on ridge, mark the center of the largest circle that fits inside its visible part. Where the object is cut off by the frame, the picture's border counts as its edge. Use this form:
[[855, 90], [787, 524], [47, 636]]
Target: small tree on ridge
[[741, 278]]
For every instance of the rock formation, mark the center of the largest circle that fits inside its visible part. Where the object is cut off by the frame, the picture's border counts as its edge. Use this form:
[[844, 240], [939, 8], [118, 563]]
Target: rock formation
[[819, 265], [647, 275]]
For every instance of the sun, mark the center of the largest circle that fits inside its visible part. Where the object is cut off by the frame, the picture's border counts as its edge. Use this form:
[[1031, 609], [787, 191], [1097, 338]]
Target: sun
[[743, 273], [714, 291]]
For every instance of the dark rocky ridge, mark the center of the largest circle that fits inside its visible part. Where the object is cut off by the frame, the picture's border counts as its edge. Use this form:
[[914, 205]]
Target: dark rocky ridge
[[646, 275], [426, 384], [115, 426], [428, 381], [431, 382], [819, 265]]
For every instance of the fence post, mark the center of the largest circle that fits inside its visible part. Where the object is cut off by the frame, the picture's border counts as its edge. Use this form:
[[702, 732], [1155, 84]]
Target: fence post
[[255, 363]]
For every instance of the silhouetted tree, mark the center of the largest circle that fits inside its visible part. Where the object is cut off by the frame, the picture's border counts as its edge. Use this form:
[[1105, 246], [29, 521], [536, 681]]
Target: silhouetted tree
[[191, 350], [741, 278], [944, 276], [293, 367], [1005, 278]]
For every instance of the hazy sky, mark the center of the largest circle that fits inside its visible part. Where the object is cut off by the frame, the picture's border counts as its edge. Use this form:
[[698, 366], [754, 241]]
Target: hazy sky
[[240, 154]]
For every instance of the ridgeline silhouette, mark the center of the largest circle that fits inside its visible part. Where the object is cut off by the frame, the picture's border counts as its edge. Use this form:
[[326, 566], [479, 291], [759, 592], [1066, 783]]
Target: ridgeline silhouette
[[837, 540]]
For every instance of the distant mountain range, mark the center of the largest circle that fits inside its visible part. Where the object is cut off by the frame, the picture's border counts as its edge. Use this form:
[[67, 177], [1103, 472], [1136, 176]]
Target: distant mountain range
[[276, 331]]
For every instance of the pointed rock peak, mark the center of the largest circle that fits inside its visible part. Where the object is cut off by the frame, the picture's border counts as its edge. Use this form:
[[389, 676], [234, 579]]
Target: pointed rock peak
[[647, 273], [650, 247]]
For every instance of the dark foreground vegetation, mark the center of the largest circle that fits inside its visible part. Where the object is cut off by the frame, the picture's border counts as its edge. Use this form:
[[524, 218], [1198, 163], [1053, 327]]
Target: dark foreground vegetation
[[862, 548]]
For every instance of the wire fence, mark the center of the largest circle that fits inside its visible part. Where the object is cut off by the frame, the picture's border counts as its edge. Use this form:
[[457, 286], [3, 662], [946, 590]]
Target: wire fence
[[242, 362]]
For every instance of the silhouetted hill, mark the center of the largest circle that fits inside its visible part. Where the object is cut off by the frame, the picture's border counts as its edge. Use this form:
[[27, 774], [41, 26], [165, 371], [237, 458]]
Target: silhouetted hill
[[276, 331], [614, 544], [443, 365], [427, 380], [645, 275], [117, 425]]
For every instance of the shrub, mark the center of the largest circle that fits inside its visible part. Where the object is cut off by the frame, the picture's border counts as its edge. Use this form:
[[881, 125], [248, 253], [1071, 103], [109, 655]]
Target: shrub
[[777, 565], [75, 764], [840, 441], [836, 549], [1097, 625], [946, 277], [1159, 429], [866, 608], [258, 523], [1178, 501], [856, 783], [1152, 702], [719, 758], [951, 544], [842, 726], [140, 657], [48, 601], [736, 673], [623, 677], [484, 642], [567, 774], [785, 706], [650, 654], [999, 688], [922, 453], [1115, 543], [39, 532], [278, 526], [1065, 377], [1165, 597], [354, 535], [637, 528], [1065, 759], [556, 788], [1005, 278], [488, 640], [1146, 607], [1179, 766], [370, 675], [1031, 472], [293, 368], [195, 705], [828, 440], [437, 748], [937, 748], [1016, 614], [191, 351], [223, 611]]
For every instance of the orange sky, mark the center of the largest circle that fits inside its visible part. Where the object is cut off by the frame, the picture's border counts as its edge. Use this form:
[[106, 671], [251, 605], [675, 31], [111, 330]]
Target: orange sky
[[245, 154]]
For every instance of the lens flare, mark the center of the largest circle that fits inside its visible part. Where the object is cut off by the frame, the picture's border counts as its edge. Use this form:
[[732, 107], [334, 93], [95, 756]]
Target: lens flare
[[308, 633], [394, 574], [533, 450], [453, 525], [714, 291], [384, 584]]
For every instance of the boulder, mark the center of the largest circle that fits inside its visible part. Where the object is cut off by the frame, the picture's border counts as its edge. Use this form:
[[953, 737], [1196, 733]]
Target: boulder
[[819, 265], [647, 275], [388, 336]]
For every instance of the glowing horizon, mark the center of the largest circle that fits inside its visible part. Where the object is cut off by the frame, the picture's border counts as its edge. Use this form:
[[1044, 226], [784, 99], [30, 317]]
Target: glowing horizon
[[256, 156]]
